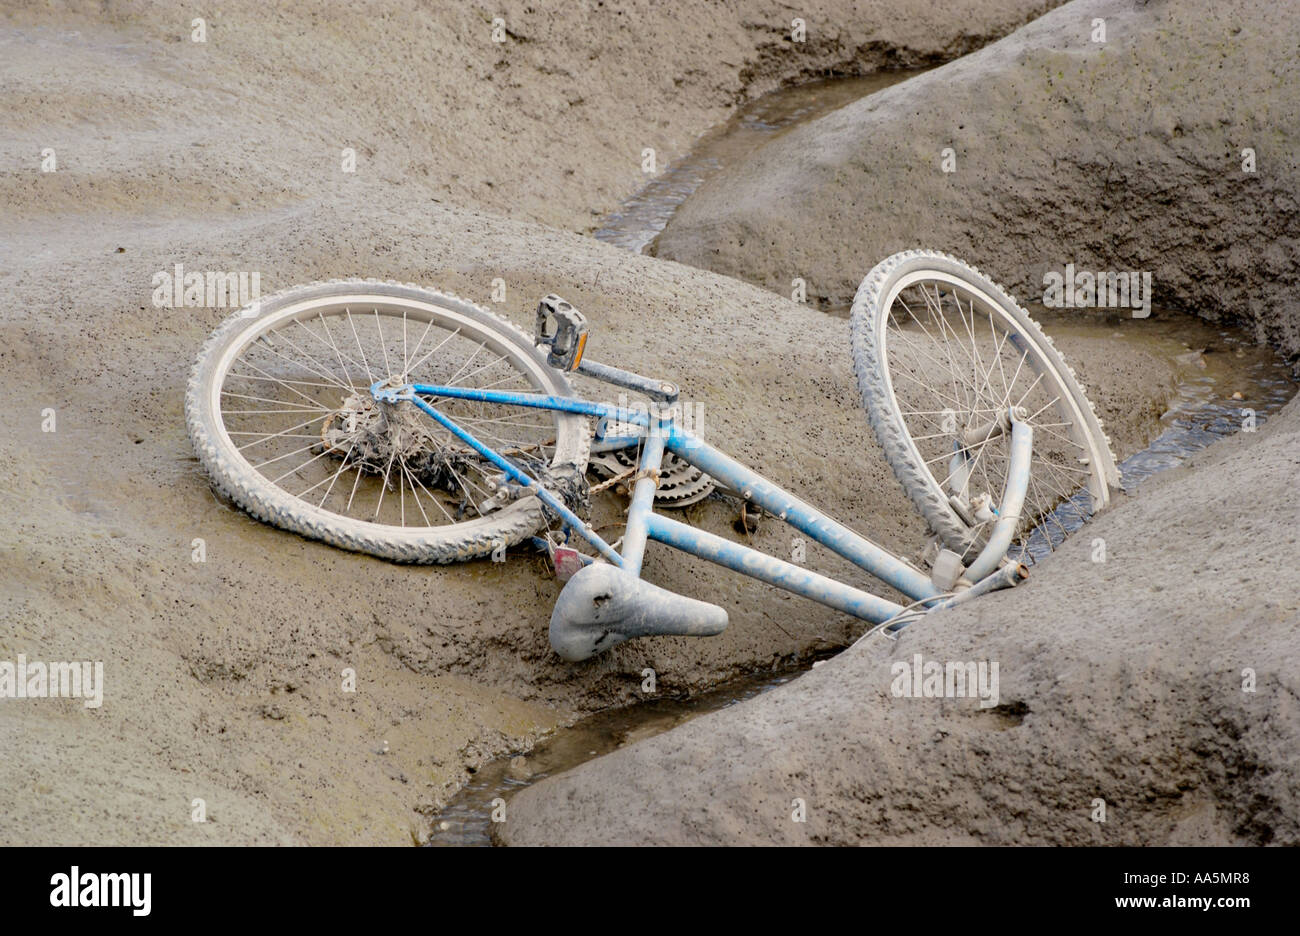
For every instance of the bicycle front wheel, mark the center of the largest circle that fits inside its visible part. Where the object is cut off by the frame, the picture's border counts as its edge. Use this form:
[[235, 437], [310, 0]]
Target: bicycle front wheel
[[941, 353], [280, 413]]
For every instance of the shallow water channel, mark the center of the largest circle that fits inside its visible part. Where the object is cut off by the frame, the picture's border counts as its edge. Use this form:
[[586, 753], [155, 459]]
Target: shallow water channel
[[1221, 374], [640, 219], [1225, 383], [467, 820]]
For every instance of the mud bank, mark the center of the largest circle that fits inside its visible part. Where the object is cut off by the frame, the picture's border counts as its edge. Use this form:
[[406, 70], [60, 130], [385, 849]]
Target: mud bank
[[548, 125], [224, 676], [1115, 155]]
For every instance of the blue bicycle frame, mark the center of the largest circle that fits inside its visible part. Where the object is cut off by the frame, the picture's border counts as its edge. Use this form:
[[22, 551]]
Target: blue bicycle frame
[[662, 434]]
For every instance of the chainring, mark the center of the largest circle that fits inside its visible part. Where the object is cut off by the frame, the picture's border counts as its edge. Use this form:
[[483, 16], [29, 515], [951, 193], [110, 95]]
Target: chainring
[[680, 483]]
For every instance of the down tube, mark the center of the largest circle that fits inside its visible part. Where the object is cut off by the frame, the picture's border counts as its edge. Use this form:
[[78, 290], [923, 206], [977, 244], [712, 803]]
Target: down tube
[[803, 517]]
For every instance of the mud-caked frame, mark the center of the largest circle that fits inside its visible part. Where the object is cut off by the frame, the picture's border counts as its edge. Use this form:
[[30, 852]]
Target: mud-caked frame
[[562, 330]]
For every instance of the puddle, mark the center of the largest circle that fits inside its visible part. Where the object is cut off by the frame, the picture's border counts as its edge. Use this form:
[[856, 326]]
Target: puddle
[[1223, 377], [1224, 384], [1223, 380], [638, 222], [467, 820]]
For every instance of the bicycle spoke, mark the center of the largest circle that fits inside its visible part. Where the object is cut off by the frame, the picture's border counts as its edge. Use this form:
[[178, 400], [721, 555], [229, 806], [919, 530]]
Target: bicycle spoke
[[314, 371], [954, 367], [364, 363]]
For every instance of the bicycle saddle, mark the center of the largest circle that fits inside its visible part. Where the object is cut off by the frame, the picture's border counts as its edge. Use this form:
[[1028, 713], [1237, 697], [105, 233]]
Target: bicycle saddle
[[602, 606]]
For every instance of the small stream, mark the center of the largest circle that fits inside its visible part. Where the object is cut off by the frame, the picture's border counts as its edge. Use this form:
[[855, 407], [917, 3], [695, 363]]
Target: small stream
[[636, 224], [1223, 381], [467, 820], [1220, 373]]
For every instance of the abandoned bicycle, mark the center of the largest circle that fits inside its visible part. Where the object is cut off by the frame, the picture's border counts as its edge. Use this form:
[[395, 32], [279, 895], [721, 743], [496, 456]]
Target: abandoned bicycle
[[418, 427]]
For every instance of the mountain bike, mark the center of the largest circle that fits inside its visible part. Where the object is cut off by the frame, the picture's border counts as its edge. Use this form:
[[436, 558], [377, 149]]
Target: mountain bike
[[416, 426]]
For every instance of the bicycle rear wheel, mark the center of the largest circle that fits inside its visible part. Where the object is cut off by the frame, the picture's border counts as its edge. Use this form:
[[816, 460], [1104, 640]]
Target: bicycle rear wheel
[[281, 416], [941, 352]]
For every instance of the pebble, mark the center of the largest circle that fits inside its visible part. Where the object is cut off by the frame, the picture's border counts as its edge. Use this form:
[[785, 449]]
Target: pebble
[[519, 768]]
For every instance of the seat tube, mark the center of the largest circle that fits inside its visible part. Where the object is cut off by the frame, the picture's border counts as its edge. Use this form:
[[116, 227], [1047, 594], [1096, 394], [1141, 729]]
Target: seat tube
[[643, 496]]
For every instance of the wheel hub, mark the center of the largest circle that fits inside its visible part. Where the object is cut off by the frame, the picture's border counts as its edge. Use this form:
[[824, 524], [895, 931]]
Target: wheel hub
[[374, 435]]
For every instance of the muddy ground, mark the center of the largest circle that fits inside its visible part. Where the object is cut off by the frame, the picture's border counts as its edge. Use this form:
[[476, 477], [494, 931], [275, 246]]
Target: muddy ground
[[473, 162]]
